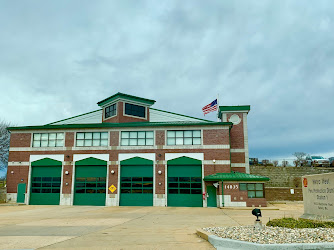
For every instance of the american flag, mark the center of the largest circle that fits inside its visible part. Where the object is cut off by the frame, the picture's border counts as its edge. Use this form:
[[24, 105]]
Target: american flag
[[210, 107]]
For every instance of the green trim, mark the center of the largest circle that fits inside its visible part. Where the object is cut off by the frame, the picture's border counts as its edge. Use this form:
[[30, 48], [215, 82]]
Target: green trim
[[136, 161], [74, 116], [181, 115], [232, 108], [235, 176], [127, 97], [91, 161], [46, 162], [184, 161], [122, 125]]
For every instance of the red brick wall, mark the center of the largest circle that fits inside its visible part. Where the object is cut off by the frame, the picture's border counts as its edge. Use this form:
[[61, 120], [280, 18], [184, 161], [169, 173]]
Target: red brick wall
[[239, 169], [20, 172], [20, 140], [114, 138], [113, 178], [120, 118], [215, 154], [237, 157], [283, 194], [242, 196], [216, 137], [212, 169], [67, 178], [69, 139], [237, 132], [160, 137], [160, 178]]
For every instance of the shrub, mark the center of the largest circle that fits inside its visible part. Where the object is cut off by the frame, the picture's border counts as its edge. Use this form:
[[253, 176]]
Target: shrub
[[300, 223]]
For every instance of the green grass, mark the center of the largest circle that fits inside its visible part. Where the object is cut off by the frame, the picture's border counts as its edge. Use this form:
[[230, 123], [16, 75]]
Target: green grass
[[300, 223]]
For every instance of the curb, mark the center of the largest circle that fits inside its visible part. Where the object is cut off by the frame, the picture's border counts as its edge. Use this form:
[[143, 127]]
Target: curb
[[224, 243], [249, 208], [203, 234]]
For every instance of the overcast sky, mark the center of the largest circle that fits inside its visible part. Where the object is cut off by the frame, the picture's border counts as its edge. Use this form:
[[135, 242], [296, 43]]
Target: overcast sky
[[59, 58]]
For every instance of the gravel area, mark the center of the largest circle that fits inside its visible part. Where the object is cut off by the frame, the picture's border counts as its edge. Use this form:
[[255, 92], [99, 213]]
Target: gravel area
[[274, 235]]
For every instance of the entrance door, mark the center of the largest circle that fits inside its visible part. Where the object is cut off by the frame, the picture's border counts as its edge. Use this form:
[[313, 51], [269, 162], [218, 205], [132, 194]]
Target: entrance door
[[212, 196], [21, 190], [184, 180], [136, 182]]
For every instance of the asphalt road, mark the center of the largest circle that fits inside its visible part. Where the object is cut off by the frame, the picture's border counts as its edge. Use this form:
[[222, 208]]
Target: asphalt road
[[83, 227]]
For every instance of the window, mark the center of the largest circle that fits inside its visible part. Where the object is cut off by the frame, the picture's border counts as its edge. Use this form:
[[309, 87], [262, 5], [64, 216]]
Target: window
[[90, 185], [184, 137], [48, 140], [137, 185], [135, 110], [45, 185], [110, 111], [92, 139], [255, 190], [137, 138], [184, 185]]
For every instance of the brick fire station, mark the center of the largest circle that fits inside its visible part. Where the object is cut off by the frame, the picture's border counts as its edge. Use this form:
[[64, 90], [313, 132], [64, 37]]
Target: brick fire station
[[127, 153]]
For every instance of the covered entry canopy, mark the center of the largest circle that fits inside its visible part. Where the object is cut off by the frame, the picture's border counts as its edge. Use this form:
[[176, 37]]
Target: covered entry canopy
[[235, 176]]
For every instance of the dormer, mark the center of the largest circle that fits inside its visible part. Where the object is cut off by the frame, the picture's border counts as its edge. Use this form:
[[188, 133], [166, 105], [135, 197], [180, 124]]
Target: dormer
[[121, 108]]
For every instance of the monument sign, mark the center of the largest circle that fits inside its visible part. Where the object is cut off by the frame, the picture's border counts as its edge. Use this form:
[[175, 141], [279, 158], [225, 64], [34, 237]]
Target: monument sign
[[318, 196]]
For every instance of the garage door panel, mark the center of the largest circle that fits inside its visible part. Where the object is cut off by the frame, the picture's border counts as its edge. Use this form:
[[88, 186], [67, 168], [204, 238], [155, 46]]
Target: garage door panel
[[184, 186], [45, 185], [136, 184], [90, 185]]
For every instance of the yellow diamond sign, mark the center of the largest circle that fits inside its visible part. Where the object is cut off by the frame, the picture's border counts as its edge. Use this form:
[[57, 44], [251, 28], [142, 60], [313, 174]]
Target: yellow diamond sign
[[112, 188]]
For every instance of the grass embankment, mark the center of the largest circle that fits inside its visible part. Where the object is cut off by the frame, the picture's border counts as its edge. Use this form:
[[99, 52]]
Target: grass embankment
[[300, 223]]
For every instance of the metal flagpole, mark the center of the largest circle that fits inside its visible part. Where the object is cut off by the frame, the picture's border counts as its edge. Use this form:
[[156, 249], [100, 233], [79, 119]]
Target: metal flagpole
[[218, 107]]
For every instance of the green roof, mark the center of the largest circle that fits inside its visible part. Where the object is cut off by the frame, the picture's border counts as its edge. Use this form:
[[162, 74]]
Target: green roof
[[232, 108], [127, 97], [235, 176], [168, 112], [124, 125]]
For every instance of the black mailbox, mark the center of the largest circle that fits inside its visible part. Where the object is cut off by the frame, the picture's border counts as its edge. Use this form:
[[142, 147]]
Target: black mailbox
[[257, 212]]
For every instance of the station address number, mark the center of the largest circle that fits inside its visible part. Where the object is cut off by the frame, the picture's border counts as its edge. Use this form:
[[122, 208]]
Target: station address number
[[231, 186]]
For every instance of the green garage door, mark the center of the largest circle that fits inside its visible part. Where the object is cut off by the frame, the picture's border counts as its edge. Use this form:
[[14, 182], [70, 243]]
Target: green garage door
[[90, 182], [184, 177], [136, 182], [45, 182]]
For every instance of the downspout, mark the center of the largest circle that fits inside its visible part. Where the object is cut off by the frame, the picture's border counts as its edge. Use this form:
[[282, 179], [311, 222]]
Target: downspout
[[229, 137], [222, 187]]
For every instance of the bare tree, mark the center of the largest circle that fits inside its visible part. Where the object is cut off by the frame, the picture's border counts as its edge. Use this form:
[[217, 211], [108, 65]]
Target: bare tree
[[275, 163], [4, 144], [300, 158], [285, 163]]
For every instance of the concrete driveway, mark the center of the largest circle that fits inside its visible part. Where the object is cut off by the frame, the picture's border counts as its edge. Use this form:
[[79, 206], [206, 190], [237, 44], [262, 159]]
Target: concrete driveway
[[81, 227]]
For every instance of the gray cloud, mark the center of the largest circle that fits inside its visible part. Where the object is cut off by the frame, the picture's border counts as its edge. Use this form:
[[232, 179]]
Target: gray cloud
[[58, 59]]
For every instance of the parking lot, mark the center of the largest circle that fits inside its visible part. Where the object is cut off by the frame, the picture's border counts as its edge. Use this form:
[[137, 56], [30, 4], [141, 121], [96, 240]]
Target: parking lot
[[83, 227]]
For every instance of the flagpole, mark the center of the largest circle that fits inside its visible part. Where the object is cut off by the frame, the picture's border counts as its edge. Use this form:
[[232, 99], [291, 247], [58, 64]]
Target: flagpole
[[218, 107]]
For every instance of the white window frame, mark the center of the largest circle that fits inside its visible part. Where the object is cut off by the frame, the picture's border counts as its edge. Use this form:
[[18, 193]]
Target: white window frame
[[84, 132], [48, 133], [138, 131], [201, 138]]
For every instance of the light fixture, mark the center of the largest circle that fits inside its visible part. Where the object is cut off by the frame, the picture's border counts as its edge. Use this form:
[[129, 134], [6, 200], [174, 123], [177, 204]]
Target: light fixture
[[21, 179], [112, 171], [66, 172], [214, 161], [159, 172], [160, 183], [66, 183], [12, 172]]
